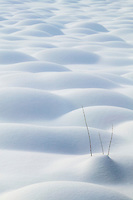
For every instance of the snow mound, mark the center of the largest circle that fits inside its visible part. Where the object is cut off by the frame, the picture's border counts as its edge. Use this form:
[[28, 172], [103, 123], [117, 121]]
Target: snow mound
[[117, 79], [40, 44], [28, 105], [118, 44], [125, 33], [97, 117], [25, 15], [12, 37], [81, 31], [67, 56], [56, 81], [90, 25], [105, 170], [103, 38], [11, 57], [34, 33], [28, 22], [51, 29], [119, 61], [9, 30], [35, 67], [97, 97], [63, 190], [10, 22], [61, 140]]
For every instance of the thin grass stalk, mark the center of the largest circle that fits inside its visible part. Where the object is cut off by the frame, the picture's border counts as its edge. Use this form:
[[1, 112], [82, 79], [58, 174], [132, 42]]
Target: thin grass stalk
[[101, 143], [110, 141], [87, 130]]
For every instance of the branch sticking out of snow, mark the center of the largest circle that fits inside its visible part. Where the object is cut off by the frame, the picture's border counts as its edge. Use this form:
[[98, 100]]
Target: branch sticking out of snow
[[110, 141], [87, 130], [101, 143]]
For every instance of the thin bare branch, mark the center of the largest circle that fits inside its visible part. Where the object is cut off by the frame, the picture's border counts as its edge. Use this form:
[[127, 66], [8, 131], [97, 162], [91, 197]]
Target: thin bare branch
[[101, 143], [87, 130], [110, 140]]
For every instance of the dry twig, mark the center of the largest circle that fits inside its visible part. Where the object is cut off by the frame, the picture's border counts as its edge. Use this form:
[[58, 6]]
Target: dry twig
[[87, 130], [110, 141], [101, 143]]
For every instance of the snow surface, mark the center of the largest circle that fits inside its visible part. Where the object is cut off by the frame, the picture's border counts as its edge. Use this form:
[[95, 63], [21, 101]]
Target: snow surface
[[55, 57]]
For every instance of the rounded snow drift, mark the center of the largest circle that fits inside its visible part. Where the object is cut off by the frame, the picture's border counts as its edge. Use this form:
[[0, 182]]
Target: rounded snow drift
[[67, 56], [11, 57], [63, 190], [29, 105]]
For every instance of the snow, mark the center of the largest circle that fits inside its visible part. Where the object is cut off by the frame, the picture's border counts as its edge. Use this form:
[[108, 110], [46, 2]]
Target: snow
[[13, 57], [65, 190], [55, 57]]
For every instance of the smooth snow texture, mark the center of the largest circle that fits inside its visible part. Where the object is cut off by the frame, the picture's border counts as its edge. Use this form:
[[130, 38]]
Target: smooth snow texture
[[97, 97], [55, 57], [26, 104], [63, 190], [35, 67], [67, 56], [62, 140], [89, 25], [10, 57], [115, 114]]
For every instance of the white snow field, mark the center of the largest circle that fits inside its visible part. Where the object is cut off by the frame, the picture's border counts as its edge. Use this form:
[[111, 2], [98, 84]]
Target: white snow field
[[57, 56]]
